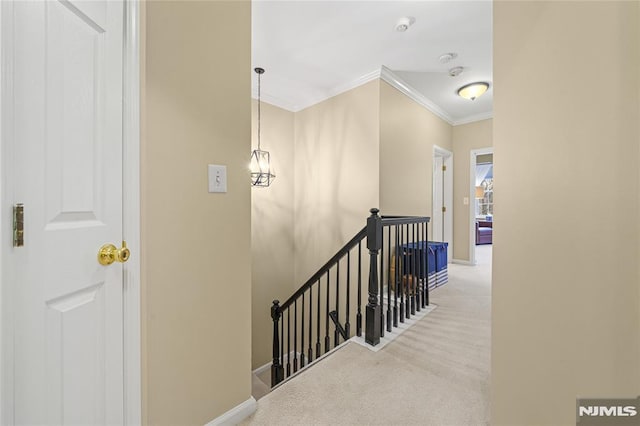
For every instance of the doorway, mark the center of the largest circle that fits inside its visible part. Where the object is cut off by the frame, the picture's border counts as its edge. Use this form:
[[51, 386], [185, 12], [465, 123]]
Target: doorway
[[481, 192], [442, 225]]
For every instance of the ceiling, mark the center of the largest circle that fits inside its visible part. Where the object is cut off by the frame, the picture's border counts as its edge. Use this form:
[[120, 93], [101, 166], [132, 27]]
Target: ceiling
[[312, 50]]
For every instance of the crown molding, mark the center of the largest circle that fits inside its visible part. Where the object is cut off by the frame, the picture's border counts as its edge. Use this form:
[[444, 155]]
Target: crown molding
[[474, 118], [275, 101], [395, 81], [370, 76], [266, 97], [384, 74]]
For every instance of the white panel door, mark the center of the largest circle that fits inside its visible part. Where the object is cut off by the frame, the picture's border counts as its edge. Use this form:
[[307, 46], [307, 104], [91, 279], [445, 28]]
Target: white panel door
[[447, 200], [67, 308], [438, 201]]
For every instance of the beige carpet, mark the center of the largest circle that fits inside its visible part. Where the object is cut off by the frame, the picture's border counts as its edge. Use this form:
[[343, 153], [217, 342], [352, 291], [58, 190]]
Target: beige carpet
[[436, 373]]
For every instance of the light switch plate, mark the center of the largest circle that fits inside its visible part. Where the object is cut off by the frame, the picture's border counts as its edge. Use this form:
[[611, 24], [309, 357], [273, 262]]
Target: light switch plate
[[465, 201], [217, 178]]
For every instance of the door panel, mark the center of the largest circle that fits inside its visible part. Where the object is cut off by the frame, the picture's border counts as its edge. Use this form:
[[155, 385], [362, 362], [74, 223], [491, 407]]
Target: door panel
[[438, 216], [75, 96], [75, 356], [68, 345]]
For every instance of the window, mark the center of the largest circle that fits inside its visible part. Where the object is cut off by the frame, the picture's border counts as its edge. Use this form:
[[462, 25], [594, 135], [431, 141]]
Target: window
[[484, 186], [484, 205]]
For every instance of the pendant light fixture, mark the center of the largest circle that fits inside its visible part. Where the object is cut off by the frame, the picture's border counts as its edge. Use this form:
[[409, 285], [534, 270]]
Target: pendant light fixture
[[261, 170]]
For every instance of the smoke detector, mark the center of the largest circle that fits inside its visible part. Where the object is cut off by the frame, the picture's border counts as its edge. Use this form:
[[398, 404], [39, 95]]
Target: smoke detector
[[447, 57], [456, 71], [403, 24]]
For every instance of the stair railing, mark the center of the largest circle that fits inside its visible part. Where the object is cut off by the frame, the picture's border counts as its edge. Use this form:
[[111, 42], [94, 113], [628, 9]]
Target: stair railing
[[397, 281]]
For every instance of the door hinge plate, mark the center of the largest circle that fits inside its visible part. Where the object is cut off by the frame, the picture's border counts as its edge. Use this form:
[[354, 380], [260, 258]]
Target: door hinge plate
[[444, 168], [18, 225], [444, 209]]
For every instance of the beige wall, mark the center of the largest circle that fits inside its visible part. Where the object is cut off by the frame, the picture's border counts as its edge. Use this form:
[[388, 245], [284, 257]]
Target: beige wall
[[408, 133], [336, 174], [466, 137], [272, 227], [196, 253], [565, 295]]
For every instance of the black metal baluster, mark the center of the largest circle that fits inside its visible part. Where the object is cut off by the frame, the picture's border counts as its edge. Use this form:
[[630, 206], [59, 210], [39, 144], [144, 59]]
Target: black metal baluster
[[310, 350], [413, 271], [302, 335], [425, 265], [336, 334], [397, 278], [327, 341], [359, 314], [288, 341], [282, 343], [426, 248], [381, 292], [318, 324], [347, 324], [421, 270], [409, 271], [418, 289], [407, 293], [374, 242], [295, 335], [389, 319], [277, 371], [403, 254]]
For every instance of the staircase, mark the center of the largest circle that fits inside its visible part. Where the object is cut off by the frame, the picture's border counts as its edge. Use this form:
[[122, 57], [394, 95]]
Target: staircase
[[330, 302]]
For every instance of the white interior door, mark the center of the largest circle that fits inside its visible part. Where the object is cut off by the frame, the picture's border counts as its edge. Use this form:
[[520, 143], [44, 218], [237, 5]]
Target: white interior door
[[66, 308], [438, 200], [443, 199], [447, 196]]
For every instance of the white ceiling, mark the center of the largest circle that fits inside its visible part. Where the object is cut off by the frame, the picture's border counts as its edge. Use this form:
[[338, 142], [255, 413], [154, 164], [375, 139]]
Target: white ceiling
[[312, 50]]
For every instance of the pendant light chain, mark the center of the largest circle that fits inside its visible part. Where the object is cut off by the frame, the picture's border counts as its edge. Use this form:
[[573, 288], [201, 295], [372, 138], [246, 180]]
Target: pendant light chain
[[261, 170], [259, 75]]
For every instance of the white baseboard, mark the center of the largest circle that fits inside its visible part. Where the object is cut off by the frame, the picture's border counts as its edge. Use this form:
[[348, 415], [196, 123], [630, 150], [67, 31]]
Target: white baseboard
[[262, 369], [236, 414], [462, 262], [268, 365]]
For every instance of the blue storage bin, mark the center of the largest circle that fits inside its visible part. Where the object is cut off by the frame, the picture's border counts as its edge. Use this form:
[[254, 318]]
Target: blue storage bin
[[424, 265], [440, 249], [406, 265]]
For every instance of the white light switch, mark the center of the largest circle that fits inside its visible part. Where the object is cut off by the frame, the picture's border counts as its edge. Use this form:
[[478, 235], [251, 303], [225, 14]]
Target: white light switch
[[465, 201], [217, 178]]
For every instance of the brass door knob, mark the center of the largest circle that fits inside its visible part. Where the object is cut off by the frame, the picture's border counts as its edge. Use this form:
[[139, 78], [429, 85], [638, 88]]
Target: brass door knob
[[109, 253]]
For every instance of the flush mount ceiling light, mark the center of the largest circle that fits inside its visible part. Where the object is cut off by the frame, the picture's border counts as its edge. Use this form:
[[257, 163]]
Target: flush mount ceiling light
[[445, 58], [473, 90], [261, 170], [403, 24]]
